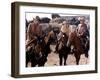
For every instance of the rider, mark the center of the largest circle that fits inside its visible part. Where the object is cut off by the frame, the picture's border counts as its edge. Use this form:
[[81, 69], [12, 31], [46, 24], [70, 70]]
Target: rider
[[64, 30], [34, 30], [82, 31]]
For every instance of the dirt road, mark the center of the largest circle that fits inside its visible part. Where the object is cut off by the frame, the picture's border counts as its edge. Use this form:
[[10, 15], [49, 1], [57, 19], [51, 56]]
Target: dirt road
[[53, 59]]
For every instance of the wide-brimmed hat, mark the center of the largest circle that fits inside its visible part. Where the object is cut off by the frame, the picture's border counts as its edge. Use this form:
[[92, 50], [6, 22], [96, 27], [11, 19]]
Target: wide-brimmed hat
[[81, 18]]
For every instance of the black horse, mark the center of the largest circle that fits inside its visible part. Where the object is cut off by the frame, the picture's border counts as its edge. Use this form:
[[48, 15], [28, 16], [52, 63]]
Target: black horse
[[86, 46], [63, 49]]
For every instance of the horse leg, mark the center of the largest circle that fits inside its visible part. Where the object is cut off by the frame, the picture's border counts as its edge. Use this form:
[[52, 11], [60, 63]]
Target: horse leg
[[77, 60], [86, 52], [42, 61], [56, 48], [86, 55], [65, 58], [40, 65], [27, 59], [33, 62], [77, 56], [60, 57]]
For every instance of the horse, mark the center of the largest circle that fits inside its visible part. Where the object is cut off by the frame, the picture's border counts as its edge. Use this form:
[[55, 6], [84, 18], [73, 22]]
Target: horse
[[86, 47], [29, 51], [39, 50], [76, 42], [62, 49], [36, 54]]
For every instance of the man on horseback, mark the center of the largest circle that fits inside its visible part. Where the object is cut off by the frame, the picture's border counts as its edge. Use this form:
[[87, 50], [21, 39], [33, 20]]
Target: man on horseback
[[61, 47], [37, 43], [34, 29], [82, 32], [82, 28], [64, 31]]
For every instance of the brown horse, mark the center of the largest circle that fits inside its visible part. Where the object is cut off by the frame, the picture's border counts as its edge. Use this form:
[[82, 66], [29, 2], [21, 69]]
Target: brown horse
[[76, 42], [39, 50]]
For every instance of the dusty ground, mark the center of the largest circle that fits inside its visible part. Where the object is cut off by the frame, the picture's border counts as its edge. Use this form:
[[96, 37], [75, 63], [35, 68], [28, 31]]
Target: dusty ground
[[53, 59]]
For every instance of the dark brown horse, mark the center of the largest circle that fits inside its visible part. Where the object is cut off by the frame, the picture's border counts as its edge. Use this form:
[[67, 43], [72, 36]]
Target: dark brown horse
[[78, 46], [63, 49], [39, 50]]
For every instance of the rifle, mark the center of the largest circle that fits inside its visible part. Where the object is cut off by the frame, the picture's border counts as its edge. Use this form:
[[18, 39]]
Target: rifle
[[30, 42]]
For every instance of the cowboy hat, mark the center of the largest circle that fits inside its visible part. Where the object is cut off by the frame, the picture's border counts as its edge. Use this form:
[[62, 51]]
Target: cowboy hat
[[81, 18]]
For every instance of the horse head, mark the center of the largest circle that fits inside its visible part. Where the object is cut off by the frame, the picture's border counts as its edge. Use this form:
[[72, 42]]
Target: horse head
[[63, 41]]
